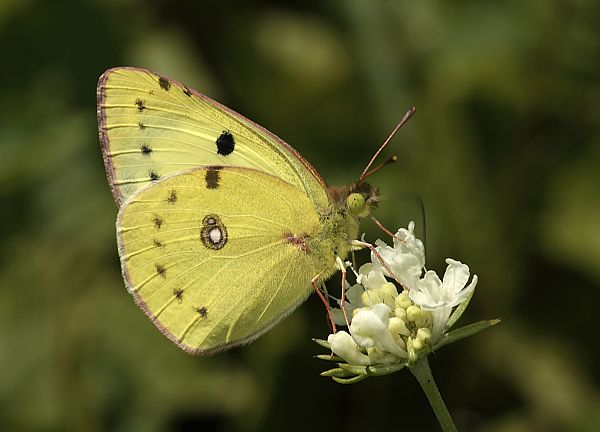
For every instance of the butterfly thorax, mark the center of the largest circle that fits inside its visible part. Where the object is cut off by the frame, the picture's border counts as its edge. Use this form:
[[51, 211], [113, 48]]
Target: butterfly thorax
[[340, 224]]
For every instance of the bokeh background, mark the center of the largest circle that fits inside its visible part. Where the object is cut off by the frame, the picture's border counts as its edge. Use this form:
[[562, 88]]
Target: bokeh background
[[504, 151]]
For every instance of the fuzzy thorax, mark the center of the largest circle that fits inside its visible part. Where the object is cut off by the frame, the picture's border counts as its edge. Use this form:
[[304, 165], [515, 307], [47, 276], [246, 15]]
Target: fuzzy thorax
[[340, 225]]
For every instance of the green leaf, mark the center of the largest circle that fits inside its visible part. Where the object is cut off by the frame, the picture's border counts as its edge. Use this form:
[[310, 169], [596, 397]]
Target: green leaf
[[386, 369], [354, 369], [337, 372], [464, 332], [353, 380], [329, 357], [323, 343]]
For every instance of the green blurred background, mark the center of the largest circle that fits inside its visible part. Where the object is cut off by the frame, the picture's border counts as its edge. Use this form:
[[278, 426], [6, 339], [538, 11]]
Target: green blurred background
[[504, 150]]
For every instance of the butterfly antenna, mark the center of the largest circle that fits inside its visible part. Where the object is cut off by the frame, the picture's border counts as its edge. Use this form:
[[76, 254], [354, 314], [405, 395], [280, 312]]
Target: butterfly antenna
[[392, 159], [366, 171]]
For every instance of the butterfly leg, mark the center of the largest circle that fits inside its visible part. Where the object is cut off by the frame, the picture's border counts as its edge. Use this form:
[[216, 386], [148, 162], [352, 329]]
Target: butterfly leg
[[313, 282], [342, 268]]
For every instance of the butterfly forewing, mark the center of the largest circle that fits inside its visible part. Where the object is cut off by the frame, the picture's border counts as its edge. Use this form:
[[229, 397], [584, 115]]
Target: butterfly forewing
[[152, 126], [215, 255]]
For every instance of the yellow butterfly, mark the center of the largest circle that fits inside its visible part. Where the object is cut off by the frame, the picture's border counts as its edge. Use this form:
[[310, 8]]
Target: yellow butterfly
[[223, 228]]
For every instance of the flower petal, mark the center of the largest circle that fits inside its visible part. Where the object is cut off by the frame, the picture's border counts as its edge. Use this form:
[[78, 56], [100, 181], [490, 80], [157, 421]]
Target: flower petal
[[462, 296], [455, 277], [404, 262], [429, 292], [344, 346], [370, 276], [353, 294], [370, 329], [338, 316]]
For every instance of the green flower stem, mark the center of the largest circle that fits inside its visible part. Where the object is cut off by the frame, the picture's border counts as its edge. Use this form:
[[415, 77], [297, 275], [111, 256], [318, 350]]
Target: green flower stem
[[422, 373]]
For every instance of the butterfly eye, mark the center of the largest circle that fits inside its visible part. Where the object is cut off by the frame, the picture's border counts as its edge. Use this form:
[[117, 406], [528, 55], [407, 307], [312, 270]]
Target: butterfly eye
[[356, 203]]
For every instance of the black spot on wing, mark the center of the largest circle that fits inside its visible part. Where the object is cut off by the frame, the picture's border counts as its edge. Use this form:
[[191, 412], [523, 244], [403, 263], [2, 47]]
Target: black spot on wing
[[157, 221], [211, 219], [178, 293], [141, 105], [225, 143], [161, 270], [146, 150], [213, 233], [187, 91], [212, 177], [172, 198], [158, 243], [141, 125], [202, 311], [164, 83], [153, 175]]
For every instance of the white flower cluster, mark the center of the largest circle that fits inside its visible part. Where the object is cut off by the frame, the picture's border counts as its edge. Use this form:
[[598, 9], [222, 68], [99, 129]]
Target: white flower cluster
[[386, 326]]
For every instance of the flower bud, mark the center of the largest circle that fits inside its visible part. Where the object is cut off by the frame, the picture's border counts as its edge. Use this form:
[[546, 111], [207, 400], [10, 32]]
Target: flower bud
[[388, 293], [344, 346], [424, 334], [397, 326], [398, 330], [400, 313], [403, 300], [413, 313], [371, 297], [418, 344]]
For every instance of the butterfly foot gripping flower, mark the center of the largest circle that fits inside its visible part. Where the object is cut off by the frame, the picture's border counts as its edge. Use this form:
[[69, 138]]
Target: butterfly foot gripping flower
[[398, 313]]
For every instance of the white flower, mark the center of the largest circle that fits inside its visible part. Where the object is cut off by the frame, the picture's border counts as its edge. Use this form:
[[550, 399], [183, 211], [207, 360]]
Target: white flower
[[369, 329], [441, 296], [405, 260], [352, 301], [344, 346], [370, 276], [432, 293], [391, 327], [407, 241]]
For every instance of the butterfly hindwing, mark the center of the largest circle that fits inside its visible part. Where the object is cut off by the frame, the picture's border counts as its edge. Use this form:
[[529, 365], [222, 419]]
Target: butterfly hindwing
[[152, 126], [215, 255]]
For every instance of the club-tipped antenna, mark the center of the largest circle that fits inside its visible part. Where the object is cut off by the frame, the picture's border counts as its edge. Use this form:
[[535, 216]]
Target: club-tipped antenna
[[366, 171], [392, 159]]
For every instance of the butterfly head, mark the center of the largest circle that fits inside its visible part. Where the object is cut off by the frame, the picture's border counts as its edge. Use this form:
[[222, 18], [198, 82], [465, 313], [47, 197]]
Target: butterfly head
[[362, 199], [358, 199]]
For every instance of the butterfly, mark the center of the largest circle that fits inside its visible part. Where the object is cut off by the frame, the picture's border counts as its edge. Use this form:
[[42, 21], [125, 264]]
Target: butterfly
[[223, 229]]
